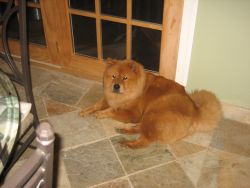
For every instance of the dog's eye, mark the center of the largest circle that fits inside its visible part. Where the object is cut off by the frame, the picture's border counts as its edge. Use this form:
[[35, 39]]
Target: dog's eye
[[125, 78], [113, 76]]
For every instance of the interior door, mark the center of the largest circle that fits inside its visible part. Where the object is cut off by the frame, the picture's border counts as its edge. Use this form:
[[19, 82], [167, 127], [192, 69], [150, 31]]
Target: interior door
[[78, 35]]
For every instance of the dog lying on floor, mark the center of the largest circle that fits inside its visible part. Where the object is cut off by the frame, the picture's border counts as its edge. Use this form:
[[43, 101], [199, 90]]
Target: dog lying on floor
[[159, 108]]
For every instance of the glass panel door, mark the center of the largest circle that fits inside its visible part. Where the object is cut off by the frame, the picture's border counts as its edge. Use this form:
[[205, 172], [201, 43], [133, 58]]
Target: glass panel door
[[120, 29]]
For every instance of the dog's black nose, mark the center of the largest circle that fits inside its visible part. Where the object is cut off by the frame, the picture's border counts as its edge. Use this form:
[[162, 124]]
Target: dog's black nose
[[116, 87]]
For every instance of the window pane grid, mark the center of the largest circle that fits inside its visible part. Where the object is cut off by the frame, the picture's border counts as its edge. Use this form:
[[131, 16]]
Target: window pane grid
[[117, 19], [131, 22]]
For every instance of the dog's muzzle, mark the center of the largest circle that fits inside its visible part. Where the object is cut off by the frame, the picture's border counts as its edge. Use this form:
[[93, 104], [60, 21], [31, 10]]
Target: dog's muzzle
[[116, 88]]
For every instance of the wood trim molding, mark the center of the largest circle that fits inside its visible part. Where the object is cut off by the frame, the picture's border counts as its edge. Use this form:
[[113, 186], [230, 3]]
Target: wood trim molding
[[36, 52], [172, 16]]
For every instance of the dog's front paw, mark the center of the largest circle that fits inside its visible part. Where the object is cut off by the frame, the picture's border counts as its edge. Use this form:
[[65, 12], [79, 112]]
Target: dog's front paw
[[86, 112], [123, 143], [121, 130], [100, 115], [83, 113]]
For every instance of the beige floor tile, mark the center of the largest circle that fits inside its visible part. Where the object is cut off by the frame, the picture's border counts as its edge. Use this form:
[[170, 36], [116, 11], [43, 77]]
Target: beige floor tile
[[224, 170], [57, 108], [93, 95], [182, 148], [167, 176], [236, 113], [120, 183], [40, 107], [232, 136], [62, 177], [192, 165], [88, 159], [140, 159], [110, 125], [73, 130], [200, 138], [92, 164]]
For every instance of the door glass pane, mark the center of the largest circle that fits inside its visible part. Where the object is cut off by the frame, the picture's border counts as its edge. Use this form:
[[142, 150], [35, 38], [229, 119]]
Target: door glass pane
[[88, 5], [84, 35], [12, 28], [146, 47], [113, 40], [148, 10], [2, 8], [34, 26], [33, 1], [114, 7]]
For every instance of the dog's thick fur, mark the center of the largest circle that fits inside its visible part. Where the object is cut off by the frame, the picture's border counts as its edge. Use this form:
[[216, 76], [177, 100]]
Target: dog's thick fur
[[160, 108]]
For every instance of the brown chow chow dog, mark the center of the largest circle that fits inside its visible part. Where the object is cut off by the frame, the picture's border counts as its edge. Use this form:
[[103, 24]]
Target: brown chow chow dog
[[160, 109]]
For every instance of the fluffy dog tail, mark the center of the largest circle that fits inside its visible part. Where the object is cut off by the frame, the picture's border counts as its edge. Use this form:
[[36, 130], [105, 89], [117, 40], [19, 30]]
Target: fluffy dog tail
[[209, 110]]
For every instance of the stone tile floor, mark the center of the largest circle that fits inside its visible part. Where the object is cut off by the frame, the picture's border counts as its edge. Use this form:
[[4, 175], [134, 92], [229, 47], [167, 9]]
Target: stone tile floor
[[88, 153]]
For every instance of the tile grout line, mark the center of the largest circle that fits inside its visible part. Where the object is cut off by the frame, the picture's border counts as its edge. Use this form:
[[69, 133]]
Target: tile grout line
[[45, 106], [152, 167], [68, 105], [109, 181], [126, 177], [85, 144], [90, 142], [82, 96], [171, 151], [227, 152], [122, 177], [123, 168], [140, 171], [190, 155], [134, 173], [182, 158]]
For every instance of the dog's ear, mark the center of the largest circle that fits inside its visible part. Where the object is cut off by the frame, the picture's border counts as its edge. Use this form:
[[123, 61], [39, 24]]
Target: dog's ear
[[134, 66]]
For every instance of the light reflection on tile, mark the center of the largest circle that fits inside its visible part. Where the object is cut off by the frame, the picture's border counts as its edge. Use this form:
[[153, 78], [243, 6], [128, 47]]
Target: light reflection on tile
[[232, 136], [200, 138], [192, 165], [182, 148], [222, 169]]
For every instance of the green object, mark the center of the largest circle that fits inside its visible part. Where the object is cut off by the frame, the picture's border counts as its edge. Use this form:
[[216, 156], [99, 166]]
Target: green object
[[220, 59]]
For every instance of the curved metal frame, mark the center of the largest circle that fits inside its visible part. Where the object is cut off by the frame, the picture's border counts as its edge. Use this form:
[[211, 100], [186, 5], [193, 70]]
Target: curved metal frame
[[24, 77], [10, 2], [7, 56]]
